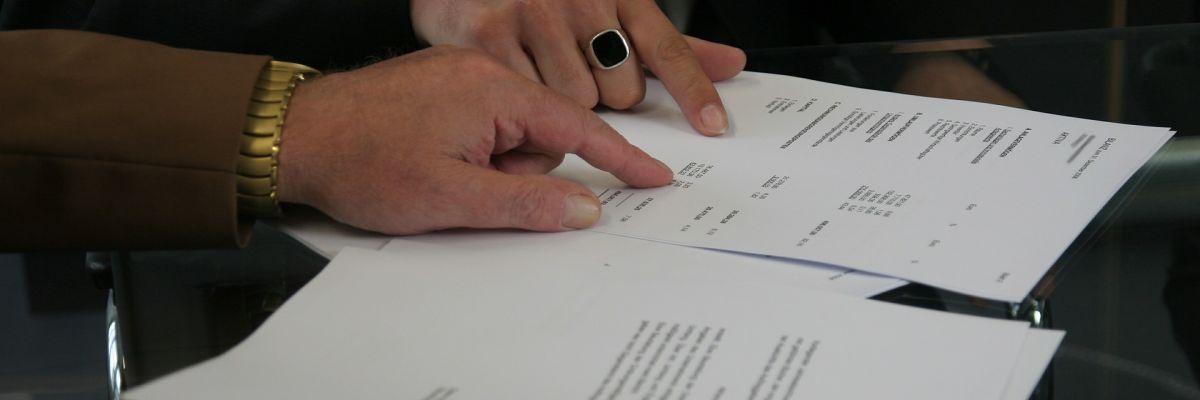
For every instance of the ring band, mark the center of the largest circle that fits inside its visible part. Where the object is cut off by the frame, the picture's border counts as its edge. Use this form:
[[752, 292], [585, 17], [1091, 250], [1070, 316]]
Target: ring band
[[608, 49]]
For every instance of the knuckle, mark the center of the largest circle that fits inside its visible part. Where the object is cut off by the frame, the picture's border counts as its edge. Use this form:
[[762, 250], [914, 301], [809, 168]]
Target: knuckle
[[536, 11], [694, 88], [586, 95], [494, 48], [674, 50], [588, 124], [479, 62], [624, 97], [592, 10], [529, 207], [487, 28], [577, 84]]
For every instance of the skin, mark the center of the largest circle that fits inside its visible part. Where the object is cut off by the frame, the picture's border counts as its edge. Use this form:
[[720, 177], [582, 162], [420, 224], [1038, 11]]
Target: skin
[[948, 76], [447, 137], [933, 70], [544, 40]]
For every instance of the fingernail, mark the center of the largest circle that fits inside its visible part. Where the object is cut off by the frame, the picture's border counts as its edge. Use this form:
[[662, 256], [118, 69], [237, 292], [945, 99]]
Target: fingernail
[[580, 211], [714, 119]]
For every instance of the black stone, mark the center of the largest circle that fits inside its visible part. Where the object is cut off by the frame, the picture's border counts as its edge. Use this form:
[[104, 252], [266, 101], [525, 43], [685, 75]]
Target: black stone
[[610, 49]]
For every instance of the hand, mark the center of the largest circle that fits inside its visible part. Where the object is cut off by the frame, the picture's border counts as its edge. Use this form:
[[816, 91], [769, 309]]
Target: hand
[[949, 76], [446, 138], [544, 41]]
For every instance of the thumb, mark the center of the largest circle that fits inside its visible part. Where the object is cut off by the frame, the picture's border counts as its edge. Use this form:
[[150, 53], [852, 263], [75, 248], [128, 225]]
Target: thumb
[[533, 202]]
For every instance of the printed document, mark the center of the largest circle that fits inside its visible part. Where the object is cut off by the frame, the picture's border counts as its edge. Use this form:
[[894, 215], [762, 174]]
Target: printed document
[[421, 326], [970, 197]]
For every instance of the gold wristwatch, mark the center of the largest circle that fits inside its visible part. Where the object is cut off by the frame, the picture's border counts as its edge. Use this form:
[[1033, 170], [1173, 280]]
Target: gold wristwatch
[[258, 163]]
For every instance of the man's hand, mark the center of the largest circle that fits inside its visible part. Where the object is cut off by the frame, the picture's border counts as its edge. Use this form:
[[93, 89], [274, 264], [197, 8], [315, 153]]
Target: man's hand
[[447, 138], [544, 41], [949, 76]]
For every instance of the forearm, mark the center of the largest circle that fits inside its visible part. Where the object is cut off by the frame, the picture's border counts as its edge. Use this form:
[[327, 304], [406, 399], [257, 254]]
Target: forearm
[[110, 143]]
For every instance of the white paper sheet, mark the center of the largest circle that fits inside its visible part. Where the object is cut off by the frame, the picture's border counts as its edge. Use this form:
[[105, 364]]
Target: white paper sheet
[[662, 262], [1039, 348], [417, 326], [328, 237], [325, 236], [975, 198]]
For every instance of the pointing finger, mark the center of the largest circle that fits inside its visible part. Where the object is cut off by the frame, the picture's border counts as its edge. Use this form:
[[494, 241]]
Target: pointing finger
[[665, 51], [550, 122]]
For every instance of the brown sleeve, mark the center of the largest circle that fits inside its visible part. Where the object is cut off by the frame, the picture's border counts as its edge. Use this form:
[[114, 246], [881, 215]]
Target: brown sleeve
[[109, 143]]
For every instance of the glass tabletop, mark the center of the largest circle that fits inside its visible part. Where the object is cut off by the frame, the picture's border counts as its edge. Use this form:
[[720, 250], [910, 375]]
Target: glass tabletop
[[1127, 292]]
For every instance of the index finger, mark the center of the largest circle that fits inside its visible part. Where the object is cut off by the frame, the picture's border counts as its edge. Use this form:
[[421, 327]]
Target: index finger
[[664, 50], [554, 123]]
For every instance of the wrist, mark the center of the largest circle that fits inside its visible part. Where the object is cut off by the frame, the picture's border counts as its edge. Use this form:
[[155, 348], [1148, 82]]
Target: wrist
[[293, 150], [310, 143]]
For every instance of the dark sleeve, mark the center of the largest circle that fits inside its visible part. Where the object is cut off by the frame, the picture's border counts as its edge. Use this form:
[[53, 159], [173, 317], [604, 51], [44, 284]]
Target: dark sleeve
[[110, 143], [323, 34]]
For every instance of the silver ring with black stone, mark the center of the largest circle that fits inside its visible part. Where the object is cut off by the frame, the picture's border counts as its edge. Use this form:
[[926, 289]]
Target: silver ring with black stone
[[608, 49]]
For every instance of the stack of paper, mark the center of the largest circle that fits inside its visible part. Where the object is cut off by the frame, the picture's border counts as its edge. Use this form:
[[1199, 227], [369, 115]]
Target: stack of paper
[[438, 324], [970, 197], [814, 184]]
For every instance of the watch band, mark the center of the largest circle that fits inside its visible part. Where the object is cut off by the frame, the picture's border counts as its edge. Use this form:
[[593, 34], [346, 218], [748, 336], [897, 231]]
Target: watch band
[[258, 161]]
